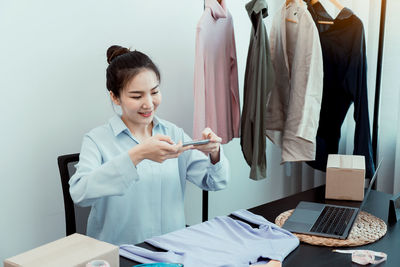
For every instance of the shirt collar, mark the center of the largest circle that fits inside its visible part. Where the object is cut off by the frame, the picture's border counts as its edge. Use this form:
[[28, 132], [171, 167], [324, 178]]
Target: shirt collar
[[217, 10], [256, 6], [157, 122], [292, 11], [118, 126], [345, 13]]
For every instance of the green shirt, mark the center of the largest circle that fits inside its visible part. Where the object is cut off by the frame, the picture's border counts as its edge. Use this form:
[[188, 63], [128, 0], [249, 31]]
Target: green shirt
[[258, 81]]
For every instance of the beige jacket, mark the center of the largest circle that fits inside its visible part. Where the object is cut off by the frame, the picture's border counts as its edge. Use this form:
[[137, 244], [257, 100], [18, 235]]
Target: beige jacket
[[294, 103]]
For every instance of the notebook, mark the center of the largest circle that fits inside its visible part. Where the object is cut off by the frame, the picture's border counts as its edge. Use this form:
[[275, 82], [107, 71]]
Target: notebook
[[326, 219]]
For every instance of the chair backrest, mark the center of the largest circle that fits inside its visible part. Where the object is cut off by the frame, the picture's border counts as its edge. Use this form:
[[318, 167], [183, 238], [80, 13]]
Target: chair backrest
[[75, 216]]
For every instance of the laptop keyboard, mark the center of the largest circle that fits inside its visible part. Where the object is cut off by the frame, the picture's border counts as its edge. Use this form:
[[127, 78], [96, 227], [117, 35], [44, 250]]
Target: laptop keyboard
[[332, 220]]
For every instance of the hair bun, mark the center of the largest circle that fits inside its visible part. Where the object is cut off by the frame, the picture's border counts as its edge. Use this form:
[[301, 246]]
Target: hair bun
[[115, 51]]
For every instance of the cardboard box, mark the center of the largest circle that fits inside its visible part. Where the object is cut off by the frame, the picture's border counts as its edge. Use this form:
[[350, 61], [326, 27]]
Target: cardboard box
[[345, 177], [75, 250]]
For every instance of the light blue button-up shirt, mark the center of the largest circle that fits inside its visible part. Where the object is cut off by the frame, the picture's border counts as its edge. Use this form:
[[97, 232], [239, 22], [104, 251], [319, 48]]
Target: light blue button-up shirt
[[131, 203], [222, 241]]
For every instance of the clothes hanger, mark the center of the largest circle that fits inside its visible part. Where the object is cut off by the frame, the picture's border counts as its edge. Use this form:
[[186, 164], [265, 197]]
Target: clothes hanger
[[335, 3]]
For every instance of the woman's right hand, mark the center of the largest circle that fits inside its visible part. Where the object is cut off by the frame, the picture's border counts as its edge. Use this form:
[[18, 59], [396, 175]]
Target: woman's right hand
[[157, 148]]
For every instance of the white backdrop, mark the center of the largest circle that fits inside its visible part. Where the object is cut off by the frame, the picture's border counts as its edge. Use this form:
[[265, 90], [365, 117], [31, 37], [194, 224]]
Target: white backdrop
[[389, 127], [52, 80]]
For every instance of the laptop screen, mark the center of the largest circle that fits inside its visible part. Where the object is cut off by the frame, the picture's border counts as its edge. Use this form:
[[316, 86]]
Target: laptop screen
[[370, 185]]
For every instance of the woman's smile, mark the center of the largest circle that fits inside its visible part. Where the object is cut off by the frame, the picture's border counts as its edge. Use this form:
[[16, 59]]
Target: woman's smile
[[146, 114]]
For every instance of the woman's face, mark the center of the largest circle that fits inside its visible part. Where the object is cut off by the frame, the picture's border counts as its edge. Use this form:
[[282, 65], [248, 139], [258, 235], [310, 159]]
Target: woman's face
[[139, 99]]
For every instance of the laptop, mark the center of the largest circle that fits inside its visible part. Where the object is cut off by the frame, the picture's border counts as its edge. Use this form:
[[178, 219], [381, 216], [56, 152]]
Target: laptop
[[333, 219]]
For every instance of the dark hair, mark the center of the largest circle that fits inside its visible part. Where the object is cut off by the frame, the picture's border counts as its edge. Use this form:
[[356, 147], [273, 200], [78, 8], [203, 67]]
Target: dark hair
[[124, 65]]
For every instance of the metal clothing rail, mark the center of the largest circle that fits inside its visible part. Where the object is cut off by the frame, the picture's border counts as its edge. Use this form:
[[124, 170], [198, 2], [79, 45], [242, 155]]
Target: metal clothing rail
[[375, 126], [204, 204]]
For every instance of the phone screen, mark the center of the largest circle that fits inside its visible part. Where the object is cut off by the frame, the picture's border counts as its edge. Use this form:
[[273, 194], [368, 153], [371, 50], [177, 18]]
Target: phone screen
[[196, 142]]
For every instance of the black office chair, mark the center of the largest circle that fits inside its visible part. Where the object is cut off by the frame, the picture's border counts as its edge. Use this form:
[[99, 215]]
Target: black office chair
[[75, 216]]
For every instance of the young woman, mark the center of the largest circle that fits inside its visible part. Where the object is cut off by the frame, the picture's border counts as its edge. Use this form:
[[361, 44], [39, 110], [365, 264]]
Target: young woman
[[132, 171]]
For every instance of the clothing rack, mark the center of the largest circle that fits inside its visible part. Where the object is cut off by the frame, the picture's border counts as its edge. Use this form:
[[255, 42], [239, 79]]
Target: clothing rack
[[375, 126], [204, 203]]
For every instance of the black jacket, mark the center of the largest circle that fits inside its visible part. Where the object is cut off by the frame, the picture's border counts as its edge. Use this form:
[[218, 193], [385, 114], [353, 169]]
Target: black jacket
[[345, 82]]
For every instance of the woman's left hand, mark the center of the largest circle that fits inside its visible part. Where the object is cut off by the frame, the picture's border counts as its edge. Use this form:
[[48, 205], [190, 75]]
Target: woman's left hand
[[212, 148]]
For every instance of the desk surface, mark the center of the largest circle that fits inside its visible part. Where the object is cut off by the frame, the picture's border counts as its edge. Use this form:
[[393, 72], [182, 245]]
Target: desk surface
[[309, 255]]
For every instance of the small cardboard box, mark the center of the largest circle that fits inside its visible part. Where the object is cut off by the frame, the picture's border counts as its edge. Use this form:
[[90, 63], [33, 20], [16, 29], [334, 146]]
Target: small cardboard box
[[75, 250], [345, 177]]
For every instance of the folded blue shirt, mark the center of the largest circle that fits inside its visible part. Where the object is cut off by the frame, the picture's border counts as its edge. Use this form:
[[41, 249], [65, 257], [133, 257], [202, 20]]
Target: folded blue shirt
[[222, 241]]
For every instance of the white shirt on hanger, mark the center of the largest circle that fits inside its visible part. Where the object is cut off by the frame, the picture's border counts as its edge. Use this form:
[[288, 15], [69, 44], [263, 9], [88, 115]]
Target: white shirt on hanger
[[294, 103]]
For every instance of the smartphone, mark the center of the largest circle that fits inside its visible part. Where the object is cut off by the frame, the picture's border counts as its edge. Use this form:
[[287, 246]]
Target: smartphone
[[196, 142]]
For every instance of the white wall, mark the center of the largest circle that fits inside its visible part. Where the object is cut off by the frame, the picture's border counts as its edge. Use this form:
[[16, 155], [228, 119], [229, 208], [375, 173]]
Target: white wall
[[52, 67], [389, 126], [53, 91]]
